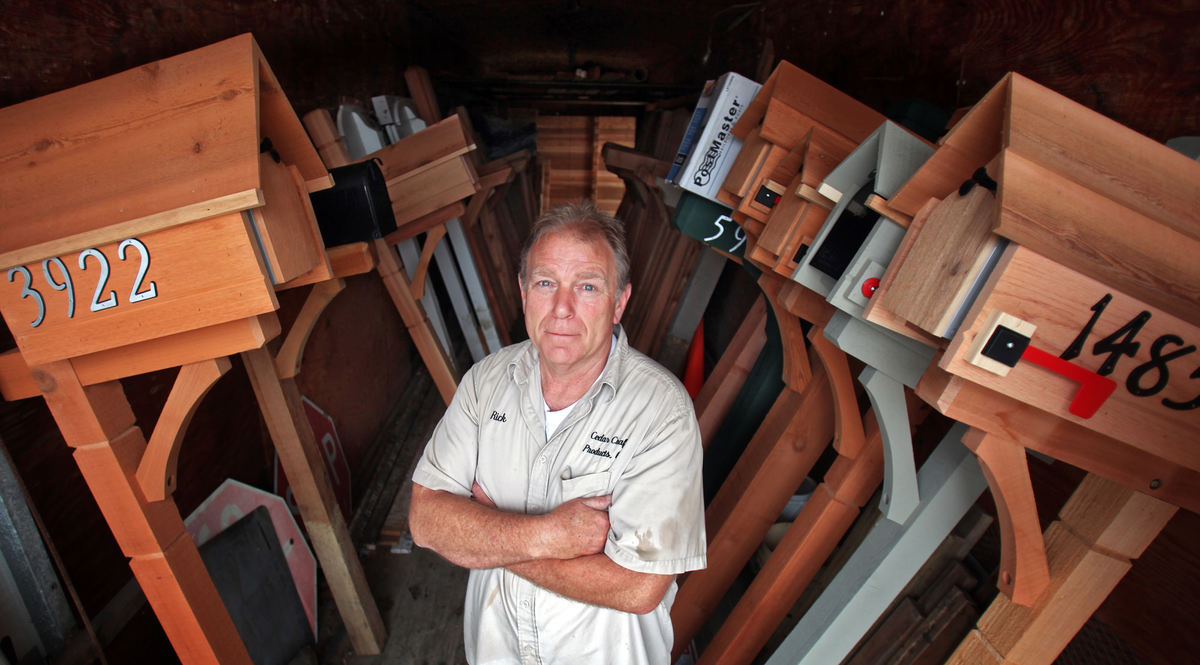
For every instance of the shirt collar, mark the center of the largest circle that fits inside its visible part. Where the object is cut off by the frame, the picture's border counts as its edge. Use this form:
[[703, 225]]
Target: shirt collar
[[524, 366]]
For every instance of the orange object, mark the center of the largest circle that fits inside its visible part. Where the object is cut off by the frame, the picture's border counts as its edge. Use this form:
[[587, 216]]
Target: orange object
[[693, 375]]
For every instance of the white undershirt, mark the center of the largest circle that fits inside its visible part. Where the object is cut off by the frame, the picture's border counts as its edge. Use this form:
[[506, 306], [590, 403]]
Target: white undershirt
[[556, 418]]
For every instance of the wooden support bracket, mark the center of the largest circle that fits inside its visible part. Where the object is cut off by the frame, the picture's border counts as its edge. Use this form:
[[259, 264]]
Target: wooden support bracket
[[156, 471], [291, 353], [849, 438], [1024, 573], [419, 277]]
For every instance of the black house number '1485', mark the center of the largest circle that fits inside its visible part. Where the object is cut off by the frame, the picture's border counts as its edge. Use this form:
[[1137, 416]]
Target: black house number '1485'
[[1147, 379], [58, 278]]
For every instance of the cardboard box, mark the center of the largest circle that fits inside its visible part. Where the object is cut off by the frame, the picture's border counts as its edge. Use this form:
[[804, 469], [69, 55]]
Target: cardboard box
[[709, 159]]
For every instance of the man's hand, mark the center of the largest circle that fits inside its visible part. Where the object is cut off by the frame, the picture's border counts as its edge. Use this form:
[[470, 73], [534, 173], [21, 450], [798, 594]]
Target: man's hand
[[576, 528]]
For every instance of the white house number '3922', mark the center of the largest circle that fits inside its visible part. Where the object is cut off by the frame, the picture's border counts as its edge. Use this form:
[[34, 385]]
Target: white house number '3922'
[[142, 290]]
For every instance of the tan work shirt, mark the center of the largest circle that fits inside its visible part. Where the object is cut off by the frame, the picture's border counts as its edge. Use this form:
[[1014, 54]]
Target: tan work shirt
[[633, 435]]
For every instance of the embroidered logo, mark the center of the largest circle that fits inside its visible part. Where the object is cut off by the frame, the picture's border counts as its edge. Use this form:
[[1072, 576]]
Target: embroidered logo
[[600, 453], [604, 438], [499, 417]]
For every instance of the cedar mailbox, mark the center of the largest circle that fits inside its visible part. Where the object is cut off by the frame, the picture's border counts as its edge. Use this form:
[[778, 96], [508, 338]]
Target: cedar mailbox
[[149, 218]]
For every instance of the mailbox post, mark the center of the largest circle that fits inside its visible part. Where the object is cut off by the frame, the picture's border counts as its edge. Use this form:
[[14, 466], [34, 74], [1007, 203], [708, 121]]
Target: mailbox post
[[149, 218]]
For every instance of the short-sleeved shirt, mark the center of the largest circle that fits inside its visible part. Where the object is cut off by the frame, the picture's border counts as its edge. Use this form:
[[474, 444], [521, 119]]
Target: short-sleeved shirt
[[632, 435]]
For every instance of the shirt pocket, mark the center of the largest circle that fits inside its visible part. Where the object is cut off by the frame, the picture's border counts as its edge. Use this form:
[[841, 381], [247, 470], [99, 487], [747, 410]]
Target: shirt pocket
[[590, 484]]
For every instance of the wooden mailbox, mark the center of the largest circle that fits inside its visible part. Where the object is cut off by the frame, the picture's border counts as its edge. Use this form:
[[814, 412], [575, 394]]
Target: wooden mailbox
[[1051, 250], [1046, 254], [148, 219]]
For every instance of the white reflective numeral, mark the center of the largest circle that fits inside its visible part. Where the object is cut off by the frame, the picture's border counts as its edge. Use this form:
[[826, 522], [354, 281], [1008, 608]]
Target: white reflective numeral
[[28, 292], [98, 304], [136, 294], [65, 285]]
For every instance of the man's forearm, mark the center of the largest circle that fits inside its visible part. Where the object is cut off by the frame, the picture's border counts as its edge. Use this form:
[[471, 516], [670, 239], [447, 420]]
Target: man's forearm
[[470, 534], [475, 534], [596, 579]]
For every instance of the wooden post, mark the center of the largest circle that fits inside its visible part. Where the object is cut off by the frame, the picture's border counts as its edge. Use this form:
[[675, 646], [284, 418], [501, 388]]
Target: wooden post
[[809, 542], [98, 423], [300, 455], [774, 464], [431, 351], [1102, 527]]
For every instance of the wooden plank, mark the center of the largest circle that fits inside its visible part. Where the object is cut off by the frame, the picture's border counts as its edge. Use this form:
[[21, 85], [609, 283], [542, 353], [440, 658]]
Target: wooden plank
[[178, 587], [1092, 233], [776, 171], [1082, 573], [325, 137], [797, 370], [727, 377], [425, 222], [1103, 155], [805, 547], [1060, 303], [752, 496], [875, 311], [291, 352], [849, 437], [413, 187], [203, 274], [303, 462], [746, 166], [780, 229], [394, 278], [942, 262], [1072, 443], [17, 381], [278, 122], [439, 141], [420, 88], [825, 104], [286, 226], [880, 205], [139, 139], [344, 261], [417, 209]]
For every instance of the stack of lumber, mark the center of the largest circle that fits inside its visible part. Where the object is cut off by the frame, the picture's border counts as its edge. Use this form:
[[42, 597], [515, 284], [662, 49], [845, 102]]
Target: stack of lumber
[[569, 150]]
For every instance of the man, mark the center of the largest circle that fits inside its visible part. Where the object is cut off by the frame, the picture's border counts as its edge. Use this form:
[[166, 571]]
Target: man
[[566, 471]]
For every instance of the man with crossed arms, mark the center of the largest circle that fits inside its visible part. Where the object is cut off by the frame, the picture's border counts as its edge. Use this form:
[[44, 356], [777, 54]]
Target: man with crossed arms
[[566, 471]]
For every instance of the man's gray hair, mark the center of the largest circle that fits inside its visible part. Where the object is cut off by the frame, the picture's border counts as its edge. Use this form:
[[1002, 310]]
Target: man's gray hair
[[583, 220]]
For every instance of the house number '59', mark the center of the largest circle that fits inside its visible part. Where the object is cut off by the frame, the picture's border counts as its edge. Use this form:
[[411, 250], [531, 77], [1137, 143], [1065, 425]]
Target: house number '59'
[[100, 300]]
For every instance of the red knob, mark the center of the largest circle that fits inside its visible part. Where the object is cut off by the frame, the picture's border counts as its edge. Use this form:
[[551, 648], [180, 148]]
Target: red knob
[[869, 286]]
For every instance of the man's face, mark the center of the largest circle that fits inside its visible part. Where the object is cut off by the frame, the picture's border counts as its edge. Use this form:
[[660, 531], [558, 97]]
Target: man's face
[[570, 300]]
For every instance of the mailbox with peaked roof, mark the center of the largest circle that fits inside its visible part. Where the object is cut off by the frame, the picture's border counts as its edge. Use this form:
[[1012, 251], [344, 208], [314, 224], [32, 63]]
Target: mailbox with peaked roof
[[164, 199], [148, 219]]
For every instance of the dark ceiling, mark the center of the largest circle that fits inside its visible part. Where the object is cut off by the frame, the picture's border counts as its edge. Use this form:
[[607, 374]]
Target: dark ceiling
[[1138, 62]]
